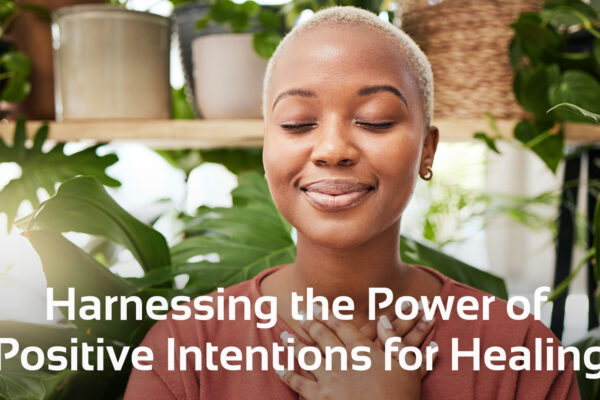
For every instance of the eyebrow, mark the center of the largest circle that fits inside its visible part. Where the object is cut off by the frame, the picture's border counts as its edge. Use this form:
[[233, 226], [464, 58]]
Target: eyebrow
[[364, 91], [369, 90], [294, 92]]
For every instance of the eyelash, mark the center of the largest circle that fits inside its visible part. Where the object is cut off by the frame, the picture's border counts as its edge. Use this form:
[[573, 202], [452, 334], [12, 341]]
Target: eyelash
[[305, 127]]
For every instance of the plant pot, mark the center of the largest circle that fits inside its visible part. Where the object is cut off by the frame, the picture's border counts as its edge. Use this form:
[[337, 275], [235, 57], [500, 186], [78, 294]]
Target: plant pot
[[228, 76], [185, 17], [111, 63], [31, 35]]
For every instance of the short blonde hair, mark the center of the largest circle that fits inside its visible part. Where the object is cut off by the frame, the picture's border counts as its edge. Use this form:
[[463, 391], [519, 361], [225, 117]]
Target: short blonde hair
[[416, 59]]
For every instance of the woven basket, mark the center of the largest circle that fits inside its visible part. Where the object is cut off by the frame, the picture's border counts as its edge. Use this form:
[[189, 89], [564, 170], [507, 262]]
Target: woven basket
[[467, 43]]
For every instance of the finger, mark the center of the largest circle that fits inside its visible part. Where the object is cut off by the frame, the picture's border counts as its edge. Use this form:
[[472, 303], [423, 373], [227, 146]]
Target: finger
[[370, 328], [320, 333], [430, 351], [386, 331], [402, 325], [347, 333], [299, 384], [416, 336]]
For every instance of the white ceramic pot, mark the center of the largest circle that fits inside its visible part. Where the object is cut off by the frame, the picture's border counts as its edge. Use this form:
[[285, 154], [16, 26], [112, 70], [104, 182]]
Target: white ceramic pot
[[111, 63], [228, 76]]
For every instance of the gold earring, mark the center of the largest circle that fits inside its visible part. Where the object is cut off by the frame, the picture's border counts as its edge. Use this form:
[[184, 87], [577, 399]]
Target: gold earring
[[428, 175]]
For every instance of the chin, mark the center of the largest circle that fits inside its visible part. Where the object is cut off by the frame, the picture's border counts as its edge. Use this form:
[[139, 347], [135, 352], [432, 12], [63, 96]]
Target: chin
[[336, 236]]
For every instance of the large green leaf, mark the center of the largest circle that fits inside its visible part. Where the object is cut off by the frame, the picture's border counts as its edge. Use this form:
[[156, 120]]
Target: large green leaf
[[45, 170], [533, 87], [417, 253], [67, 266], [16, 383], [576, 87], [590, 116], [541, 137], [82, 205], [248, 238]]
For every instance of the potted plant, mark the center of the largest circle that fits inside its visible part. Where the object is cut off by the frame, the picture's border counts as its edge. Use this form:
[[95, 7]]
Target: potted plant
[[111, 62], [223, 89]]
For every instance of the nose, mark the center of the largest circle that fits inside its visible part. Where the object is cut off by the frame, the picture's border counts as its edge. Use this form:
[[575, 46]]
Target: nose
[[334, 146]]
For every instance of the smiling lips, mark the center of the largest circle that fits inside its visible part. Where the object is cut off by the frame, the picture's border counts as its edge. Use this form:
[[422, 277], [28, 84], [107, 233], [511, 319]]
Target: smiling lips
[[335, 195]]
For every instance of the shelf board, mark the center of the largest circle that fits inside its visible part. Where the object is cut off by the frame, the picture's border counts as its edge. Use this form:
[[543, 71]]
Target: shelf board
[[239, 132]]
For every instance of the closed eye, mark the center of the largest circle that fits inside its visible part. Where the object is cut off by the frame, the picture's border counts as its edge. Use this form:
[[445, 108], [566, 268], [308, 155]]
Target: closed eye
[[299, 127], [375, 125]]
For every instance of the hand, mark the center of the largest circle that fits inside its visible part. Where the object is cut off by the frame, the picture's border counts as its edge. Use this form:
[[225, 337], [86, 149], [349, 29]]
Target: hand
[[374, 383]]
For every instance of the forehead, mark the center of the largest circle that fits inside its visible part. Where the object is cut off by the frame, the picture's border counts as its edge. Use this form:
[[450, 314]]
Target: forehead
[[336, 55]]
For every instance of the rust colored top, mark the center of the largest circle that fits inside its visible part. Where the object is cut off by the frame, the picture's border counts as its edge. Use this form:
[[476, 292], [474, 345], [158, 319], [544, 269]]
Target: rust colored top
[[440, 383]]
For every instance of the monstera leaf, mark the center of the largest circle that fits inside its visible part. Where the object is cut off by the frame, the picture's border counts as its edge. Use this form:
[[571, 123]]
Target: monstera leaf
[[45, 170], [246, 239]]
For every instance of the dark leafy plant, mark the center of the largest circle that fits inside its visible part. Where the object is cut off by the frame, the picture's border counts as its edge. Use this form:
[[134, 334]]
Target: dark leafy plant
[[555, 56], [45, 170], [242, 17]]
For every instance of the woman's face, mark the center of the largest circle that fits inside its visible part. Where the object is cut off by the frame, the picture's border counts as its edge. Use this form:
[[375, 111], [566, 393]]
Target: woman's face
[[345, 135]]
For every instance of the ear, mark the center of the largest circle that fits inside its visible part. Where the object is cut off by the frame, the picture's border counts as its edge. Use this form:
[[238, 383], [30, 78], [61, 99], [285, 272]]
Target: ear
[[430, 143]]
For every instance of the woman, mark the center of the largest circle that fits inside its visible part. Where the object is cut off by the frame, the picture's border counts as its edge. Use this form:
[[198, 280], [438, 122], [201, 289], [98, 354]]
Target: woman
[[347, 104]]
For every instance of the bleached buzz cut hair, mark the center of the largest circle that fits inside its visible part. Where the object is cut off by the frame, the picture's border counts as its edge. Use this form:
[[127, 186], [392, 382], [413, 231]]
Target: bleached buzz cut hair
[[352, 16]]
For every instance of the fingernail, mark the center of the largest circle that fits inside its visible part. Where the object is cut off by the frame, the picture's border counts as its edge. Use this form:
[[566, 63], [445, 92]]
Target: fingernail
[[280, 372], [405, 307], [426, 318], [385, 322], [286, 337], [433, 345], [316, 310], [420, 305]]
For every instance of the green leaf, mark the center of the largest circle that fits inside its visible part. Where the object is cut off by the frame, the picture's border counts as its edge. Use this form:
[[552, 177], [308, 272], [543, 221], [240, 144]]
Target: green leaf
[[533, 87], [16, 62], [250, 7], [43, 336], [417, 253], [575, 5], [82, 205], [265, 43], [584, 113], [540, 137], [67, 266], [16, 383], [270, 20], [15, 90], [576, 87], [249, 237], [201, 24], [489, 141], [45, 170], [535, 39], [181, 108]]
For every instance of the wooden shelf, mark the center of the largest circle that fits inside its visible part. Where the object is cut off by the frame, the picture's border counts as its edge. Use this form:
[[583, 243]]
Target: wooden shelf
[[238, 133]]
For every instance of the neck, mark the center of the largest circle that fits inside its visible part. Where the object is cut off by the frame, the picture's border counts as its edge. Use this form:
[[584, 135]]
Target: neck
[[350, 271]]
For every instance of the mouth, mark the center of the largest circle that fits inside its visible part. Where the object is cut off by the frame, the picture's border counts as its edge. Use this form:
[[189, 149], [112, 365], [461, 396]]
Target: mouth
[[336, 194]]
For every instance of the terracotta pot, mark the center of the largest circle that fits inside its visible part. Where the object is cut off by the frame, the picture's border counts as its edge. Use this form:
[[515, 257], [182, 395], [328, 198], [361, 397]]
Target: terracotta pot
[[31, 34], [228, 76], [111, 62]]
